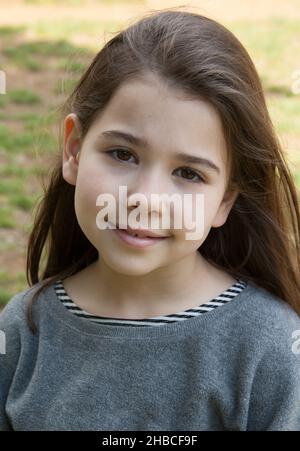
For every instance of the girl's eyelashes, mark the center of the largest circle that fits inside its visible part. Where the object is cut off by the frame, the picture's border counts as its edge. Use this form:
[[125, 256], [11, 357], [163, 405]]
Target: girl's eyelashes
[[124, 152], [190, 171]]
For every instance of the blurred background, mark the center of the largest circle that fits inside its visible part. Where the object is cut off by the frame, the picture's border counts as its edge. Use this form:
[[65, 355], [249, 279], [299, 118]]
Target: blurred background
[[45, 45]]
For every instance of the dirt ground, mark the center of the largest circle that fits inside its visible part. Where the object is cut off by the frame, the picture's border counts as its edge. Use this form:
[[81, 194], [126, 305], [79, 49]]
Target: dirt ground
[[16, 12]]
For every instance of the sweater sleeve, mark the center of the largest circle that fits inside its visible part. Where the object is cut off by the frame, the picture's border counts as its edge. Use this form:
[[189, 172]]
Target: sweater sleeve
[[10, 346], [275, 396]]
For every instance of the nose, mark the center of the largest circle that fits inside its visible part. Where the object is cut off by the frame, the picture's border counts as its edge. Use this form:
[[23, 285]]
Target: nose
[[150, 195]]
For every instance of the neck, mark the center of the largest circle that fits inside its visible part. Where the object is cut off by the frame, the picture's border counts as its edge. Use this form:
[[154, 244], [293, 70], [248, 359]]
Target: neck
[[162, 291]]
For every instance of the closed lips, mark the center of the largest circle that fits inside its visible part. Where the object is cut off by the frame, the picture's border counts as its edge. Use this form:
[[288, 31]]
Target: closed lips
[[141, 233]]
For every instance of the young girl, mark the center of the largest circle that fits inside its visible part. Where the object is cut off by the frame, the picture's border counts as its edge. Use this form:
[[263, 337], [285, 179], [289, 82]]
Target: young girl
[[161, 333]]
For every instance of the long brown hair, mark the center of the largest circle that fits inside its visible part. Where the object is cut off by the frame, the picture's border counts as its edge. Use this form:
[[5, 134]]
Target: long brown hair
[[260, 239]]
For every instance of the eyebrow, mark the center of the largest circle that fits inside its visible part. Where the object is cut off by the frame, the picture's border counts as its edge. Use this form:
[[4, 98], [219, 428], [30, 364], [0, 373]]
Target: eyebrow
[[138, 141]]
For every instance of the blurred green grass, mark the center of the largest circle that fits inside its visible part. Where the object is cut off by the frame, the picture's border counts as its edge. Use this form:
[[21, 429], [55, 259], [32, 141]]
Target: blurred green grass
[[28, 112], [11, 284]]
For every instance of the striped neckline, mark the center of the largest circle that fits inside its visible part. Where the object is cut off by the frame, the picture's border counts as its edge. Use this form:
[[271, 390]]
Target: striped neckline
[[222, 299]]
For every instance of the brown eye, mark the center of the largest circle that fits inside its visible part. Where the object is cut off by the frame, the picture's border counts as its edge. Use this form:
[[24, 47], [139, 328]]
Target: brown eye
[[122, 154], [189, 174]]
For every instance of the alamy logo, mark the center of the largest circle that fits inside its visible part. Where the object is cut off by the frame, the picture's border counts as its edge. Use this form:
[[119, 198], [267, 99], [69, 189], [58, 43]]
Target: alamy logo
[[183, 211], [2, 342], [296, 344]]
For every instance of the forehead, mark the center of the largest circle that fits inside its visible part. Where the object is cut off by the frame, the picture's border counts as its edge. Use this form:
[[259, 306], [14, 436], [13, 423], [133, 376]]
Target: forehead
[[165, 118]]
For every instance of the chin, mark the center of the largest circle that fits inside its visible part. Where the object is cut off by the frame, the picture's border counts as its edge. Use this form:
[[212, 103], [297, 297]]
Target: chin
[[129, 266]]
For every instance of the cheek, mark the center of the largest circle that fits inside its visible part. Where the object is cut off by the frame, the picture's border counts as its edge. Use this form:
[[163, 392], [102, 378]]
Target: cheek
[[190, 210], [87, 190], [212, 201], [197, 215], [92, 181]]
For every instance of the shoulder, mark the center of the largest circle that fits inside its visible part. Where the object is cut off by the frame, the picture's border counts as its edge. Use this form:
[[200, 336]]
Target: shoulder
[[262, 327], [15, 333], [268, 337], [14, 314], [267, 315], [16, 305]]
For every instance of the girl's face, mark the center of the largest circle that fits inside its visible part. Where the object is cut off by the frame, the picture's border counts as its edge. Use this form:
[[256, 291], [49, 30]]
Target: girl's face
[[169, 124]]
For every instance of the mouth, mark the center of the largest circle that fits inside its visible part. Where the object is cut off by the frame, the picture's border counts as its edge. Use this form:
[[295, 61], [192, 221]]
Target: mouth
[[141, 233], [138, 238]]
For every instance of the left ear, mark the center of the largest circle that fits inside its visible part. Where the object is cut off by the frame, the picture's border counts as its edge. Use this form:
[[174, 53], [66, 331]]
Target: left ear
[[225, 207]]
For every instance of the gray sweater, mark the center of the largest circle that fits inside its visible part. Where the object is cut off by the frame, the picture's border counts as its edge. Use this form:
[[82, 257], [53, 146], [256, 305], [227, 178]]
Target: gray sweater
[[234, 368]]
